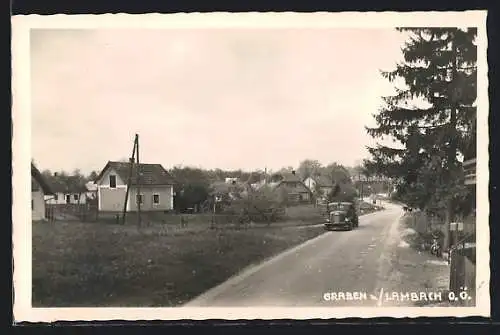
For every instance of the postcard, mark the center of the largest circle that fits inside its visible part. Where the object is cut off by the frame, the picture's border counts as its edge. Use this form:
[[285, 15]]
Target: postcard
[[250, 166]]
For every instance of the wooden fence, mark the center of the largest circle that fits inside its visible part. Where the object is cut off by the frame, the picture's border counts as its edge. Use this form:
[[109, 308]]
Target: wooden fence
[[459, 247], [71, 212]]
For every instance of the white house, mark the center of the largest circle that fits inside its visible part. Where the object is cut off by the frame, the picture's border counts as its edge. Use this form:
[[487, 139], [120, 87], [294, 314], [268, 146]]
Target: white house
[[65, 193], [155, 183], [319, 183], [39, 188], [231, 180]]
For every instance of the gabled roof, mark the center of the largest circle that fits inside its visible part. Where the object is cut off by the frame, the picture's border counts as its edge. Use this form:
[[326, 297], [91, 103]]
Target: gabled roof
[[290, 177], [40, 180], [151, 174], [322, 181]]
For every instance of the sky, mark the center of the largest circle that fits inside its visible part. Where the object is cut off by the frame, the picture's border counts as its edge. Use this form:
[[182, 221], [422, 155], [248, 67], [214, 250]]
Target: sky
[[213, 98]]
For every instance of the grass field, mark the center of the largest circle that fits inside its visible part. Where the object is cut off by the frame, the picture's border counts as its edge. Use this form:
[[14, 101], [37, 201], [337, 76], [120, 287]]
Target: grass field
[[91, 264], [79, 264]]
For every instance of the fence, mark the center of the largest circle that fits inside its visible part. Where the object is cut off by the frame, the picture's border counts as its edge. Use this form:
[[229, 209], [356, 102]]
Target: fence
[[460, 242], [463, 257], [71, 212]]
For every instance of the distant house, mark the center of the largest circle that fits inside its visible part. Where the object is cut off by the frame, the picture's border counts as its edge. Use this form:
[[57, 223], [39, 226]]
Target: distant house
[[232, 190], [156, 188], [231, 180], [319, 183], [294, 188], [91, 190], [66, 192], [39, 188], [290, 186]]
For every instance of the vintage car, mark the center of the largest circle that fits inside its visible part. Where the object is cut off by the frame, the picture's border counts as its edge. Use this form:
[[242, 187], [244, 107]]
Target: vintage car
[[341, 215]]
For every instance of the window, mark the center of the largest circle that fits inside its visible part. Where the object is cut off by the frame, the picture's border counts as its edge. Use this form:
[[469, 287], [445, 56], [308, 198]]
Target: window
[[55, 197], [76, 196], [112, 181], [32, 204], [138, 199], [156, 199], [68, 198]]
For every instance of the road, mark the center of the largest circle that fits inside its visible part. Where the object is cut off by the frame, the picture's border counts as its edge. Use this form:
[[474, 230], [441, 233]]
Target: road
[[341, 262]]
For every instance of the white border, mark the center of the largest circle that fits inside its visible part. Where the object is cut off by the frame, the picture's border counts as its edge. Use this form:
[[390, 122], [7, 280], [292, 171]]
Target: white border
[[21, 26]]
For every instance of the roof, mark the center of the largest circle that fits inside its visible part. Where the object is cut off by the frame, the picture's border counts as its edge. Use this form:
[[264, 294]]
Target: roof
[[290, 177], [40, 180], [151, 174], [220, 187], [70, 184], [323, 181]]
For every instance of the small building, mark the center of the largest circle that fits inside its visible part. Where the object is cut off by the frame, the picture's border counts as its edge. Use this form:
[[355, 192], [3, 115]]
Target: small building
[[39, 189], [155, 184], [319, 184], [232, 180], [224, 190], [293, 188], [67, 191]]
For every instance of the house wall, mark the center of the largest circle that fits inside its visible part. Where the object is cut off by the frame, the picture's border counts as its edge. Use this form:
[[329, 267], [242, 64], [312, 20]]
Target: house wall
[[311, 183], [165, 193], [111, 199], [61, 199], [104, 181], [37, 205], [295, 191]]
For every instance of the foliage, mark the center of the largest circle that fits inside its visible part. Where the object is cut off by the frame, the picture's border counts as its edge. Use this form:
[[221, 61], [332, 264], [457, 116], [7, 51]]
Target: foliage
[[309, 168], [260, 206], [342, 192], [432, 118], [191, 188]]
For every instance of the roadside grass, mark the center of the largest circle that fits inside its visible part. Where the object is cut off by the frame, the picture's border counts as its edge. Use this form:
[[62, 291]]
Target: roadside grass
[[94, 264], [418, 269]]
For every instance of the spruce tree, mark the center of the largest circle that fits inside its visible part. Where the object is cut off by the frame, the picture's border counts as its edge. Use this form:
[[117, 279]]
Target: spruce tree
[[432, 118]]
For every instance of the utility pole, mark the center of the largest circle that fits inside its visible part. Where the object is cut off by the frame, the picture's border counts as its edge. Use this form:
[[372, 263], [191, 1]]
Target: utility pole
[[129, 181], [139, 198], [360, 187]]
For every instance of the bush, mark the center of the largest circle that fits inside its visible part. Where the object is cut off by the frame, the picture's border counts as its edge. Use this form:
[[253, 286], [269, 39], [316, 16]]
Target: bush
[[258, 206]]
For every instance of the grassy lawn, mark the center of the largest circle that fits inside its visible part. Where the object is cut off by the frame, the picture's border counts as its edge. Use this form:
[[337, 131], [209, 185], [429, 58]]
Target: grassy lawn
[[94, 264]]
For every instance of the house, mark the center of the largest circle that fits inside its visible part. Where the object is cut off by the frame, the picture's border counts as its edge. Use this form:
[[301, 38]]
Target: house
[[155, 183], [231, 180], [39, 188], [231, 191], [291, 187], [319, 184], [67, 191]]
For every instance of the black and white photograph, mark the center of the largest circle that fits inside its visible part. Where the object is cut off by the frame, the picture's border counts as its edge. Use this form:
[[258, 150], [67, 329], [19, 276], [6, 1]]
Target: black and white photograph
[[250, 166]]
